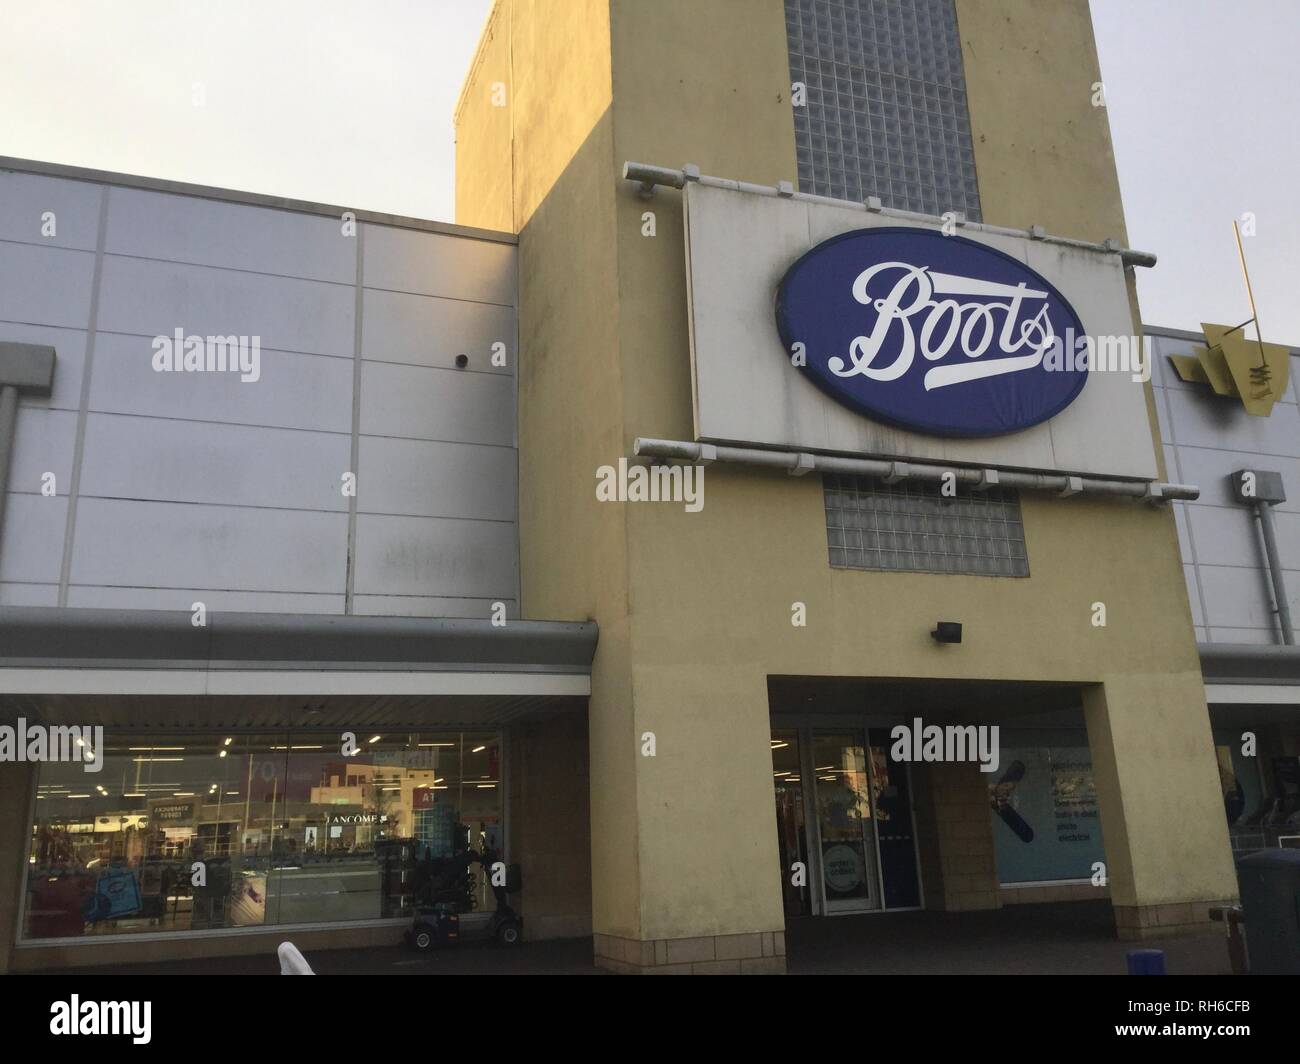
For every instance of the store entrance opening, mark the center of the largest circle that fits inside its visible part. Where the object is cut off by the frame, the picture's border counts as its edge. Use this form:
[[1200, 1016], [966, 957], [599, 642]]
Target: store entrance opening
[[844, 822]]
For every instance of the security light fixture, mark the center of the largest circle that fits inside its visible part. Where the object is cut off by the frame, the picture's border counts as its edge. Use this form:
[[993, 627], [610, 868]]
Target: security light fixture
[[947, 632]]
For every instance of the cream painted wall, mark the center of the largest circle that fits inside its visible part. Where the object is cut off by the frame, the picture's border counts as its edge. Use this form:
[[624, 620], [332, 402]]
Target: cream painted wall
[[573, 561], [1159, 797], [553, 62], [695, 608], [707, 84], [712, 592], [484, 160], [550, 836], [1043, 153]]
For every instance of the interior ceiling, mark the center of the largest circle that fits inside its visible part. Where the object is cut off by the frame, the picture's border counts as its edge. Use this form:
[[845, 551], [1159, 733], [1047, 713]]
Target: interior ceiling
[[940, 701], [280, 712]]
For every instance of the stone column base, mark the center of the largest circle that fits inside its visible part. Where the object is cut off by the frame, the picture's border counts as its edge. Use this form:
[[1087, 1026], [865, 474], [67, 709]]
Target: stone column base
[[756, 953], [1136, 923]]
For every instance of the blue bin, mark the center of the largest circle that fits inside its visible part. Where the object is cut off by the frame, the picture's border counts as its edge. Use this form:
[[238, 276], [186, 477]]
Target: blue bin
[[1146, 962]]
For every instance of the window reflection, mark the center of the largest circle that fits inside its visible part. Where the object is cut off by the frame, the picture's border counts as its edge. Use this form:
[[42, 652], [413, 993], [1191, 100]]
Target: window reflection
[[199, 832]]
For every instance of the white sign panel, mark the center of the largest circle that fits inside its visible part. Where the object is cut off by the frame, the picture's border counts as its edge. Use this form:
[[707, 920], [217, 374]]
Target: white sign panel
[[924, 346]]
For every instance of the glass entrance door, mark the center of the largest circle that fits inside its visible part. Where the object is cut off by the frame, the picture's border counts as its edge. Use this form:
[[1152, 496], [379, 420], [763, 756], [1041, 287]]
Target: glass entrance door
[[842, 786], [845, 832]]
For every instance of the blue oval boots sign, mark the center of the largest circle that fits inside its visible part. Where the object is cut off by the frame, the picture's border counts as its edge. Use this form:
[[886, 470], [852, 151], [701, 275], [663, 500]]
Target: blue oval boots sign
[[928, 332]]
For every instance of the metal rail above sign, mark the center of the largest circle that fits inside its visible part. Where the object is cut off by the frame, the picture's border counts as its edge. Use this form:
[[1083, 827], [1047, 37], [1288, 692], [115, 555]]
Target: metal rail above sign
[[825, 327]]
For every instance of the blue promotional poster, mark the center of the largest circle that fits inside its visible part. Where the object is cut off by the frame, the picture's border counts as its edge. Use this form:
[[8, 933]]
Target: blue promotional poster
[[1044, 807]]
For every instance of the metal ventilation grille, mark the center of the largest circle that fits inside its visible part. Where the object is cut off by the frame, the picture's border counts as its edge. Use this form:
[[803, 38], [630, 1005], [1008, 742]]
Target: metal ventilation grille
[[910, 527], [886, 110]]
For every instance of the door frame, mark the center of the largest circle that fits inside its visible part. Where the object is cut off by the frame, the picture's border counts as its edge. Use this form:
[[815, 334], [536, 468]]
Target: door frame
[[875, 898], [804, 725]]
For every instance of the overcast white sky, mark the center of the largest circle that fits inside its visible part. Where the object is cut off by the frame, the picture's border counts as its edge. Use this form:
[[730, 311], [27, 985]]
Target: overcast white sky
[[350, 102], [1204, 104]]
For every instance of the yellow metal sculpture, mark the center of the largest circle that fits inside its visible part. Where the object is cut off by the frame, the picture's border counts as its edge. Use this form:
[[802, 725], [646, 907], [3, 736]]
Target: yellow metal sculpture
[[1232, 364]]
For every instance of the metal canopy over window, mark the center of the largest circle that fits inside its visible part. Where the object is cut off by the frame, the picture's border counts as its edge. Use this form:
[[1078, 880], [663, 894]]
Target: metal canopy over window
[[390, 664]]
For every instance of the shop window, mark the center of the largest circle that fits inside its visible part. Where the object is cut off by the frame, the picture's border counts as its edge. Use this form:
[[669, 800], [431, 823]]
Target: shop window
[[913, 527], [1261, 796], [1044, 808], [224, 831], [886, 103]]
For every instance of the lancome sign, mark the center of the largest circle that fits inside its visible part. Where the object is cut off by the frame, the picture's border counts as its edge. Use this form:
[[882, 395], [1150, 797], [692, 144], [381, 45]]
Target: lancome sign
[[929, 332], [915, 345]]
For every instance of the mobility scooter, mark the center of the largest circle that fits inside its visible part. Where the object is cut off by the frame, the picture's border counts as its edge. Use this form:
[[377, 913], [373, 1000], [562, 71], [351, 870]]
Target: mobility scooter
[[444, 910]]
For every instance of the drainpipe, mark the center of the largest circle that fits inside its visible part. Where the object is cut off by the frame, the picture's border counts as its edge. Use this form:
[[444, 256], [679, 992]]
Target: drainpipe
[[1260, 489], [27, 368], [1264, 515]]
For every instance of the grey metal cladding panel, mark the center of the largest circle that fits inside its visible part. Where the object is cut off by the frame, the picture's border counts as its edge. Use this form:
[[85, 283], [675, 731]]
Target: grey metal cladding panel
[[238, 236], [435, 557], [43, 443], [1180, 521], [1193, 594], [178, 545], [24, 198], [32, 546], [415, 606], [150, 298], [1209, 469], [436, 404], [1161, 347], [430, 479], [1287, 529], [1164, 419], [144, 598], [1225, 536], [1162, 373], [187, 461], [1171, 462], [1205, 420], [295, 391], [428, 331], [1236, 597], [434, 264], [1253, 636], [45, 286], [69, 358], [29, 594]]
